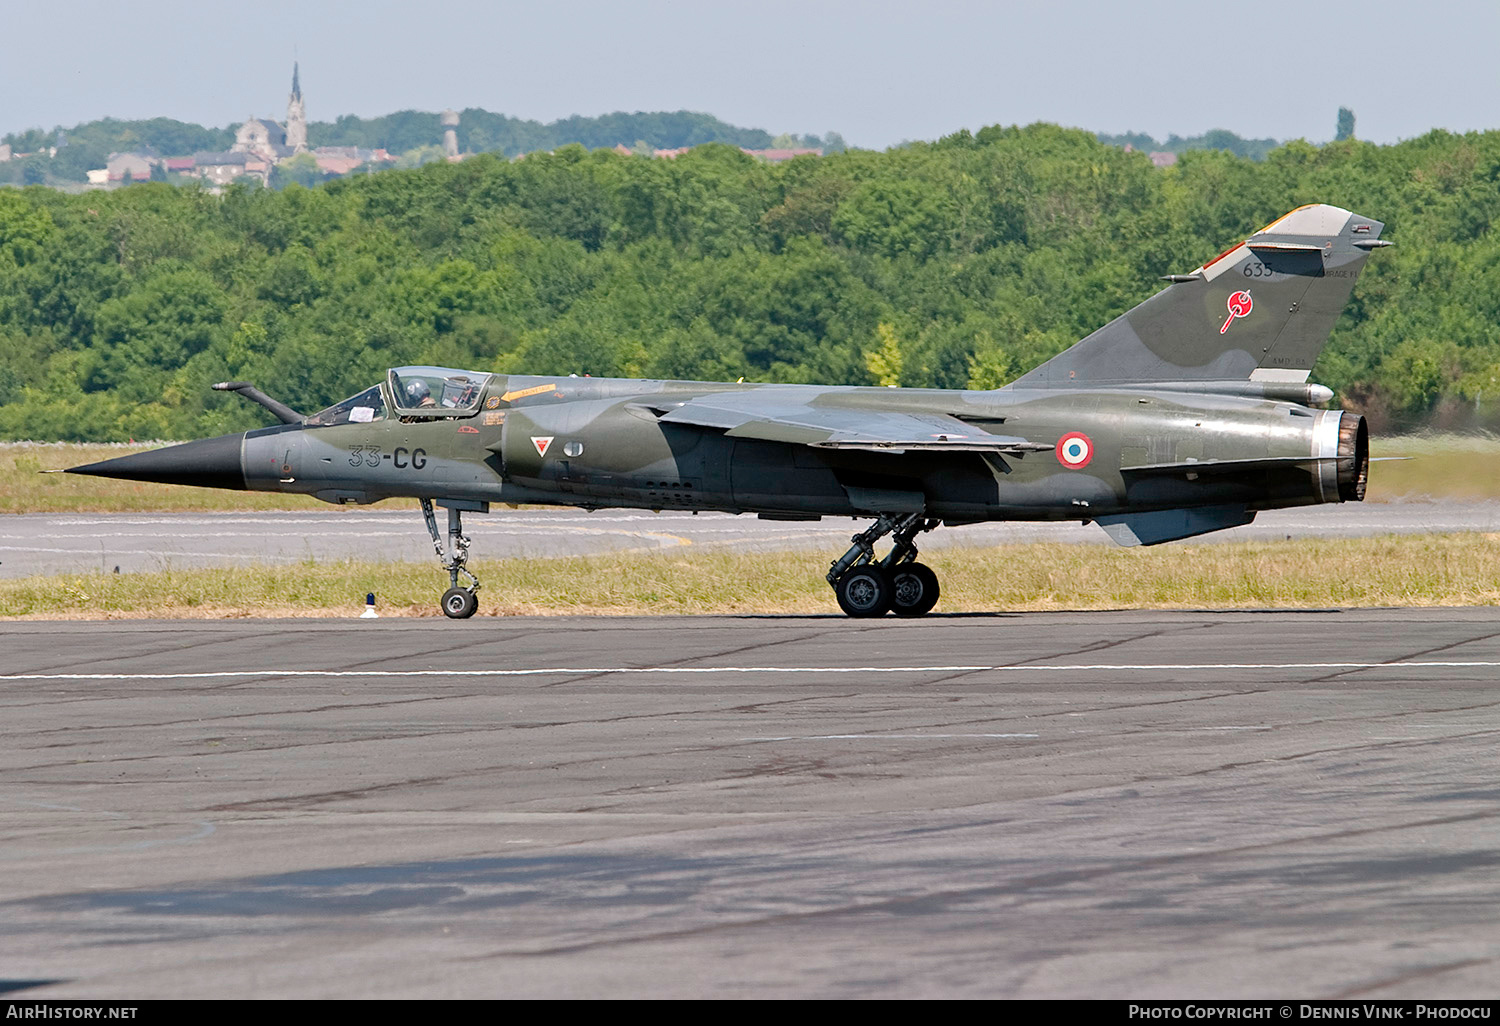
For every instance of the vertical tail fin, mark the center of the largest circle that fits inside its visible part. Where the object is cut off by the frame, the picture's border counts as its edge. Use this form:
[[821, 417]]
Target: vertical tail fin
[[1260, 311]]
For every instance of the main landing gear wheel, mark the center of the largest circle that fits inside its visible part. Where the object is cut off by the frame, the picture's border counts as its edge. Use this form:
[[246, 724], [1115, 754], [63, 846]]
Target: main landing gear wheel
[[459, 603], [866, 586], [914, 589], [864, 591]]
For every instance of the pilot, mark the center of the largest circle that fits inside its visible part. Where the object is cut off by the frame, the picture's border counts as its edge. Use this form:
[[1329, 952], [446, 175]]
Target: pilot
[[418, 395]]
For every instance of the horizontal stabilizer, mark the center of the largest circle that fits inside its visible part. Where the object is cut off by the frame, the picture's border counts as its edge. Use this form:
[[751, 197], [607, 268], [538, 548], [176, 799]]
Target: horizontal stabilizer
[[1171, 524], [1282, 247]]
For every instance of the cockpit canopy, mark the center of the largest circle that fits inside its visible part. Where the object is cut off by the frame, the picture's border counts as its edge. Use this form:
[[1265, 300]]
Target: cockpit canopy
[[414, 392], [364, 408], [435, 391]]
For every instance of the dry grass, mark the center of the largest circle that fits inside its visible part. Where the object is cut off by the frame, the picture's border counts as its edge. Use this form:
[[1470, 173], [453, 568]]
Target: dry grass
[[1404, 570]]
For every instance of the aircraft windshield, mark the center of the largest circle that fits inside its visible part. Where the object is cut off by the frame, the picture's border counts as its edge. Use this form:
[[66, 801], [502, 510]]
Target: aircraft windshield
[[436, 391], [364, 408]]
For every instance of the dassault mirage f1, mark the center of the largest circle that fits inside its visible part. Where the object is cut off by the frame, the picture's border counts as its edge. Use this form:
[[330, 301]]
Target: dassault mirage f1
[[1185, 415]]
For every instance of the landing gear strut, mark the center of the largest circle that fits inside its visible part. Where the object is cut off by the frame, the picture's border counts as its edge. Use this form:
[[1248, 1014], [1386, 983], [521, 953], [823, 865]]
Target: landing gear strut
[[458, 603], [898, 583]]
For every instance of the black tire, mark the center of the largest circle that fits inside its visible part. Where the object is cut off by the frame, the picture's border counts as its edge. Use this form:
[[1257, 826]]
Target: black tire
[[459, 603], [914, 589], [864, 591]]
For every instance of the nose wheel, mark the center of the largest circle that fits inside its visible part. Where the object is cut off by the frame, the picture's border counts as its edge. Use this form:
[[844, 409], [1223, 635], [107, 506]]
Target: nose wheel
[[457, 603], [866, 587]]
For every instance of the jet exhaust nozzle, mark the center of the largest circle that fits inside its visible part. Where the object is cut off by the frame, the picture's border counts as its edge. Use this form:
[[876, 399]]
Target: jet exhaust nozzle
[[207, 463], [1353, 458]]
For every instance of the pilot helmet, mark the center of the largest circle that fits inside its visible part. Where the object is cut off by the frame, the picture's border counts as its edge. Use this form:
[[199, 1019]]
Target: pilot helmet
[[417, 392]]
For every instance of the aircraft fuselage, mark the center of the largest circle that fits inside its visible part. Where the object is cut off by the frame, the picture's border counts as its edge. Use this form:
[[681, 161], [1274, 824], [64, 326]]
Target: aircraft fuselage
[[595, 442]]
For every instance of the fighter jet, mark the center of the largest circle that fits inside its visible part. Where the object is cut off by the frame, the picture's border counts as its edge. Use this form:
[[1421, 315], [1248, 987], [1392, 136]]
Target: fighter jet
[[1187, 414]]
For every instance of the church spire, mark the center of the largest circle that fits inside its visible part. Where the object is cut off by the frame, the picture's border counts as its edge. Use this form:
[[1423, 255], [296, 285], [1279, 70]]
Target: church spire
[[296, 115]]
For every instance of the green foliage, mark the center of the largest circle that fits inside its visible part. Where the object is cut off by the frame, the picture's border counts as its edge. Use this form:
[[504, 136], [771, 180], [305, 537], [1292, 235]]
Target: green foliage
[[960, 263], [420, 155], [480, 131], [1213, 139], [886, 361], [299, 170], [1345, 128], [89, 145]]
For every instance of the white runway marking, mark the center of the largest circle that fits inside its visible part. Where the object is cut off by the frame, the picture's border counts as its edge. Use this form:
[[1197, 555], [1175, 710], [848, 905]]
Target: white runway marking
[[158, 552], [883, 737], [539, 521], [201, 534], [544, 671]]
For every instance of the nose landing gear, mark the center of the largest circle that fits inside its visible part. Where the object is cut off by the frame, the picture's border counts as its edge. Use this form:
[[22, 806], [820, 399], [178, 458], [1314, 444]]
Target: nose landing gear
[[899, 584], [457, 603]]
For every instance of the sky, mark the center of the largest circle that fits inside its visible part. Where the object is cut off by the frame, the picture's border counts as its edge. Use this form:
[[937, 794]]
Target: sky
[[877, 72]]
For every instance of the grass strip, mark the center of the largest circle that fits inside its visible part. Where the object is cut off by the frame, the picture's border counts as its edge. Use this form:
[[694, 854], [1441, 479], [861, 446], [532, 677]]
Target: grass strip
[[1393, 570]]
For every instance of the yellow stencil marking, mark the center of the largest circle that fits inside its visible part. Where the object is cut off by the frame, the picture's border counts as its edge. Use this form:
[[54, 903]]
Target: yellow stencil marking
[[523, 393]]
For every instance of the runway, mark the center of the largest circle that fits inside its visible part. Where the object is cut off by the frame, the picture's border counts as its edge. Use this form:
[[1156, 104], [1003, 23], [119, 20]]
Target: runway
[[39, 543], [1107, 805]]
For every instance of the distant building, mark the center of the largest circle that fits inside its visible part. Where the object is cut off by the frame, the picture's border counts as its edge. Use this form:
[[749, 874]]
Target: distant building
[[449, 121], [223, 168], [262, 137], [1163, 158], [261, 143], [271, 141], [777, 156], [771, 156], [340, 160], [296, 116], [135, 167]]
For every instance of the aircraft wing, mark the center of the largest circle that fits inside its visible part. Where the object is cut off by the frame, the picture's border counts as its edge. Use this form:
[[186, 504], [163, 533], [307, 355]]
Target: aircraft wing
[[752, 415]]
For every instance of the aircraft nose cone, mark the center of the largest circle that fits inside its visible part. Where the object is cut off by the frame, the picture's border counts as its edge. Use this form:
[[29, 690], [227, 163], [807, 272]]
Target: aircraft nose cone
[[206, 463]]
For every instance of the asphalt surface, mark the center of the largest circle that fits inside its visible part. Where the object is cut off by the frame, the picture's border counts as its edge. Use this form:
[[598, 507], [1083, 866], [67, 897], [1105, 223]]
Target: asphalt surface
[[1135, 804], [33, 544]]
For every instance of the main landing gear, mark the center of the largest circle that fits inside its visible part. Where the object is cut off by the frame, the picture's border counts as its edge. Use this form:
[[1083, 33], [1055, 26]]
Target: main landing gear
[[897, 583], [458, 603]]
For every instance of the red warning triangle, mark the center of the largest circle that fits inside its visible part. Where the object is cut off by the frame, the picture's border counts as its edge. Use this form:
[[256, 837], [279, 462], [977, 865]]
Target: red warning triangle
[[541, 444]]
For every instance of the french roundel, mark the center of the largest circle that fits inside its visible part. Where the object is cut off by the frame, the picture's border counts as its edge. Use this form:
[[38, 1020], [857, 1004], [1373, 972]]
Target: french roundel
[[1074, 450]]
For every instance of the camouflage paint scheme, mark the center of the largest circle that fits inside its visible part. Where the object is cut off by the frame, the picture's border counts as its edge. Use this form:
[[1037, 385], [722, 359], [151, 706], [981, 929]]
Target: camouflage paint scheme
[[1186, 414]]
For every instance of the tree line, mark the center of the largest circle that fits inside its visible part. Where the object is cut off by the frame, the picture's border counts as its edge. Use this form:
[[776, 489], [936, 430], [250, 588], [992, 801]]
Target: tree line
[[1214, 139], [958, 263], [415, 133]]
